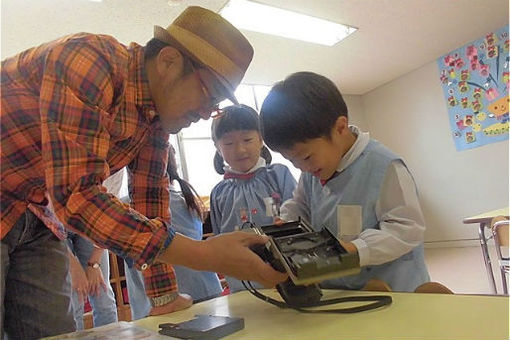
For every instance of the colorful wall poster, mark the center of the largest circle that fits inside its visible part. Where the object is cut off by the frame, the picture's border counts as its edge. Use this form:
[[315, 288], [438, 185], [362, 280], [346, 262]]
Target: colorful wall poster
[[475, 82]]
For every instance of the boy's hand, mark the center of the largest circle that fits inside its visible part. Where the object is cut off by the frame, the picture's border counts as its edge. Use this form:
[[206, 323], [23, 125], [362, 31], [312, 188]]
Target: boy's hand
[[349, 246], [278, 221]]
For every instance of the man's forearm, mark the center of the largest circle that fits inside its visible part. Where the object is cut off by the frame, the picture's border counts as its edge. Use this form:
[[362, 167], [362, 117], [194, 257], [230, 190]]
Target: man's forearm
[[186, 252], [227, 253]]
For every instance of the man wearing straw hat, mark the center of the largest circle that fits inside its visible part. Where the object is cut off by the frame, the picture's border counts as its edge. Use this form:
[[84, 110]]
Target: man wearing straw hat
[[75, 111]]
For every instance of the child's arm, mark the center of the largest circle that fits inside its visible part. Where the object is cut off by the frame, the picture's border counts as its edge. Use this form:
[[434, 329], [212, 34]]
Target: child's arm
[[285, 184], [214, 213], [296, 206], [400, 219], [79, 280], [288, 184], [94, 274]]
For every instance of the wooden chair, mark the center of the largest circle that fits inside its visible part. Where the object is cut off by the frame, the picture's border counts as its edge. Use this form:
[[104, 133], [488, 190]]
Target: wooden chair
[[119, 286], [499, 226], [376, 285], [433, 287]]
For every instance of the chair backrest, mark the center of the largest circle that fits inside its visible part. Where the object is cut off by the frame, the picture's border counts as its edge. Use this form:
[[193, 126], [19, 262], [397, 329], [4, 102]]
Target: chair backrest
[[433, 287], [500, 226], [500, 230]]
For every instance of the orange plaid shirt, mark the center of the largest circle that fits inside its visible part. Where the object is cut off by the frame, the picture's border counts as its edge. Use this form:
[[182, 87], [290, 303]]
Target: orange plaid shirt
[[74, 111]]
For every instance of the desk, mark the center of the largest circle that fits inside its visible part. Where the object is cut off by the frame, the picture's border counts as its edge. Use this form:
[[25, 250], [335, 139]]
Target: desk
[[410, 316], [484, 220]]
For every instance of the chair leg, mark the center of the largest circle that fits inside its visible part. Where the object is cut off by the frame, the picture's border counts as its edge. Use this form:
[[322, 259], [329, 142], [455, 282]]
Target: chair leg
[[503, 281]]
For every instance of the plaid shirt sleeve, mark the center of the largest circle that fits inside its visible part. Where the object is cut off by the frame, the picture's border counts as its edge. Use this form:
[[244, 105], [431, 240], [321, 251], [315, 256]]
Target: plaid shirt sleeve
[[149, 193], [77, 90]]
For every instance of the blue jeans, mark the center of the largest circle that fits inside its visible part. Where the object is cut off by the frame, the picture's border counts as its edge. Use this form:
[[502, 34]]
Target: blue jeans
[[35, 286], [138, 301], [104, 308]]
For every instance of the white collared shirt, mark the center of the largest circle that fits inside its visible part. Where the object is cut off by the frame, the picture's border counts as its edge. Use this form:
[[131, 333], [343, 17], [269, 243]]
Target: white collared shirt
[[260, 164], [402, 225]]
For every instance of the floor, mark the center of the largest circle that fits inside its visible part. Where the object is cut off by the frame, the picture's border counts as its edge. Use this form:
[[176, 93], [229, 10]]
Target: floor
[[462, 269]]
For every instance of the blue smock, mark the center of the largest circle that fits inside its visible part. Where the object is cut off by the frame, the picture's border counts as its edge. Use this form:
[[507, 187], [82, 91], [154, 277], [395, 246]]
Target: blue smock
[[244, 198]]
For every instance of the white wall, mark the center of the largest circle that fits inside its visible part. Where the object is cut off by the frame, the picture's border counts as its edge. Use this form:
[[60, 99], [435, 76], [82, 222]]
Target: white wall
[[356, 111], [409, 116]]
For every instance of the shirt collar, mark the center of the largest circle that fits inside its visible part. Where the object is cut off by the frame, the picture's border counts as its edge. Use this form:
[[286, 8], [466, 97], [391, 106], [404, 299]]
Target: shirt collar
[[362, 139], [143, 97], [260, 164]]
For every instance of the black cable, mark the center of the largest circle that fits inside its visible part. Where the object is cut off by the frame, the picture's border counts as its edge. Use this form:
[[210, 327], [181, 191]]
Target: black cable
[[261, 296], [378, 301]]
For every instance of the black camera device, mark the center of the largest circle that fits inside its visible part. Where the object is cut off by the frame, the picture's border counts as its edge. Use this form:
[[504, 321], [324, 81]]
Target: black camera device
[[308, 256]]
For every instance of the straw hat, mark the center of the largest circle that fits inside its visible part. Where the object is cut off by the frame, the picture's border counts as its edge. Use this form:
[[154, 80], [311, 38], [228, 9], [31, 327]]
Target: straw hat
[[212, 41]]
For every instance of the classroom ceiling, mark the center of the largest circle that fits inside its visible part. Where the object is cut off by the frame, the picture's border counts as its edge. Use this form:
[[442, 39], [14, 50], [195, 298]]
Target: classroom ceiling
[[394, 37]]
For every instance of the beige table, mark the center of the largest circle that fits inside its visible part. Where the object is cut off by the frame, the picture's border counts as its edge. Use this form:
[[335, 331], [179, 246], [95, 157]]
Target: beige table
[[411, 316], [484, 221]]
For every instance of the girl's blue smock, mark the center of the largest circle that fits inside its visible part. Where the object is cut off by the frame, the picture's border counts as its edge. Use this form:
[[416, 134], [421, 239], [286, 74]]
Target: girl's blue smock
[[236, 200]]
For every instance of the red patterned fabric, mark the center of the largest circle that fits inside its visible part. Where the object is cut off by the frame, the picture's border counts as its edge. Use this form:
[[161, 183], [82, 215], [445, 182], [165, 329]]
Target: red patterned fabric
[[74, 111]]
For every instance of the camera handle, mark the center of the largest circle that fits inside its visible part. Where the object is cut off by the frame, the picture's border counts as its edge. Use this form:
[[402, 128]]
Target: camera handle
[[376, 301]]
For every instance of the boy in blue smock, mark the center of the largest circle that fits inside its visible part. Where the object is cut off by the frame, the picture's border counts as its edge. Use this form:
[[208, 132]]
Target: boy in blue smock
[[253, 188], [351, 184]]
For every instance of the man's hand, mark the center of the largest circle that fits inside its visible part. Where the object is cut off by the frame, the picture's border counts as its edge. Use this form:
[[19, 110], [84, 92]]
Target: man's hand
[[236, 259], [227, 253]]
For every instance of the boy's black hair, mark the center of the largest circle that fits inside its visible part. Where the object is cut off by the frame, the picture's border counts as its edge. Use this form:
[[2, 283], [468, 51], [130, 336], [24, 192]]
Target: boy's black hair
[[303, 106], [235, 118]]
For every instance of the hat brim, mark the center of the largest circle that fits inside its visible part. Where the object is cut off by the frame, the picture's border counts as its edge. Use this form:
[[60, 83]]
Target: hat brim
[[163, 35]]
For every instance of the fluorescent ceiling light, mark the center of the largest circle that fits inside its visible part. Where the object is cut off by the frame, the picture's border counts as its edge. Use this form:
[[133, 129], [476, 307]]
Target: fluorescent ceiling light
[[261, 18]]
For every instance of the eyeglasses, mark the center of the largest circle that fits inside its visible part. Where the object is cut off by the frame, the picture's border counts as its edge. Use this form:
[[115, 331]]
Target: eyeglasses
[[216, 112], [204, 78]]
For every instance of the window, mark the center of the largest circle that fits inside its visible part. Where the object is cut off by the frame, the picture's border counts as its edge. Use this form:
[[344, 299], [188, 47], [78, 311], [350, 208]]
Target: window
[[196, 149]]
